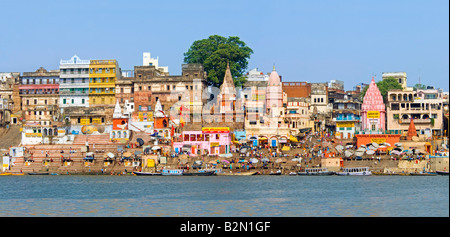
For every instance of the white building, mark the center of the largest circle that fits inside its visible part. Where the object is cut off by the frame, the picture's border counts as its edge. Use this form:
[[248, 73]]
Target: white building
[[74, 82], [147, 60], [255, 75]]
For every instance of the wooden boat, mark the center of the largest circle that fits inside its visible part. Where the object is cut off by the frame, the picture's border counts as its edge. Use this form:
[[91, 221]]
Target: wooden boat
[[360, 171], [39, 173], [422, 174], [200, 173], [316, 171], [9, 173], [238, 173], [146, 173], [442, 172], [172, 172], [276, 173]]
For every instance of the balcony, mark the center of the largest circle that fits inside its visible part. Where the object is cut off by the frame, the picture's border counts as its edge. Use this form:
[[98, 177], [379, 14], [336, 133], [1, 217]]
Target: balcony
[[416, 121]]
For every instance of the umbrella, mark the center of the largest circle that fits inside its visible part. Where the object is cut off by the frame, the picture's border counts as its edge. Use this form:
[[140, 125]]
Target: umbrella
[[110, 155], [348, 146], [225, 161], [90, 154], [348, 153], [265, 159], [374, 144], [359, 153], [278, 160], [198, 162], [147, 149], [254, 160], [136, 153], [370, 152], [212, 162], [340, 147], [361, 149], [140, 141], [156, 148], [363, 146], [127, 154], [398, 144], [386, 144]]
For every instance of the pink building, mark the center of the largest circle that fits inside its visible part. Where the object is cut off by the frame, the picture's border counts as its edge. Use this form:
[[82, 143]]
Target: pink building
[[211, 140], [373, 110]]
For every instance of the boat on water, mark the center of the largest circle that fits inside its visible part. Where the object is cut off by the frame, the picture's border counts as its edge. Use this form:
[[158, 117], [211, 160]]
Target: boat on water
[[238, 173], [172, 172], [38, 173], [361, 171], [9, 173], [423, 174], [146, 173], [275, 173], [316, 171], [442, 172], [200, 173]]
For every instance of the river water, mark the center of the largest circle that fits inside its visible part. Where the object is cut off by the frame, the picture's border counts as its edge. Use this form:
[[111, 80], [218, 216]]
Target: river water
[[224, 196]]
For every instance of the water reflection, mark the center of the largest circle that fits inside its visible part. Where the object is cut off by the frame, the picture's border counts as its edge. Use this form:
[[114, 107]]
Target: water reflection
[[224, 196]]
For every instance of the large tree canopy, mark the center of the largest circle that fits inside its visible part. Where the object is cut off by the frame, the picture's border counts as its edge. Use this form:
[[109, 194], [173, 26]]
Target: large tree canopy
[[214, 53], [384, 86]]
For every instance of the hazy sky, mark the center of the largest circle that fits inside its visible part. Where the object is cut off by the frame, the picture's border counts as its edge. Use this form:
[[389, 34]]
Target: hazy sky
[[314, 41]]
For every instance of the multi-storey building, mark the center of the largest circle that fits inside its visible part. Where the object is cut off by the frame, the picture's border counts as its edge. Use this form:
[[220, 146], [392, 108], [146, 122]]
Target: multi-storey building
[[40, 95], [297, 114], [102, 82], [74, 82], [346, 116], [151, 85], [425, 107], [399, 76], [9, 81]]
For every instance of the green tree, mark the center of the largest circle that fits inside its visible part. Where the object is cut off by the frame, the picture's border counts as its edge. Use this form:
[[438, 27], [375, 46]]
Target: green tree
[[384, 86], [214, 53]]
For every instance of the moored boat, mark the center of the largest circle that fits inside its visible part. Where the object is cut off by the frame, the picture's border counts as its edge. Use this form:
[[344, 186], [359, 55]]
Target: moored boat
[[275, 173], [316, 171], [238, 173], [38, 173], [199, 173], [146, 173], [422, 174], [442, 172], [361, 171], [10, 173], [172, 172]]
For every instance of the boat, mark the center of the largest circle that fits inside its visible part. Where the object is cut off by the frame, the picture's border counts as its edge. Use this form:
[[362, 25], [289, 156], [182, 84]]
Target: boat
[[39, 173], [276, 173], [200, 173], [238, 173], [364, 171], [293, 173], [172, 172], [316, 171], [422, 174], [145, 173], [10, 173], [442, 172]]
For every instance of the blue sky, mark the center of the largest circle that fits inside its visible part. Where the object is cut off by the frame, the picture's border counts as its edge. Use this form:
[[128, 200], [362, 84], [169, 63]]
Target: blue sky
[[314, 41]]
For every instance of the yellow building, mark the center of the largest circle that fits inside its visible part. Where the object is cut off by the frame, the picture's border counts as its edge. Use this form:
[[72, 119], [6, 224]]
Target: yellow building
[[102, 82]]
